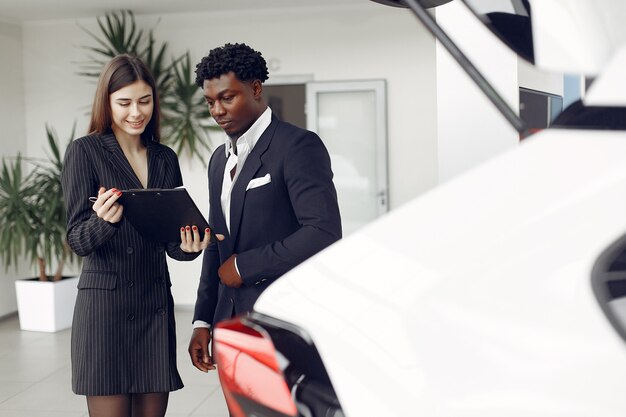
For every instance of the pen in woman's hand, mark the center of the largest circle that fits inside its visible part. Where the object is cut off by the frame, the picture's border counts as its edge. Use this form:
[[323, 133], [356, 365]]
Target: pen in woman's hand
[[93, 199], [106, 205]]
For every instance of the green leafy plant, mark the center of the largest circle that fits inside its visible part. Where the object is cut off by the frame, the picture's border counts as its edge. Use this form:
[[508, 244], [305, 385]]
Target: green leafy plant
[[33, 210], [16, 210], [120, 35], [184, 109]]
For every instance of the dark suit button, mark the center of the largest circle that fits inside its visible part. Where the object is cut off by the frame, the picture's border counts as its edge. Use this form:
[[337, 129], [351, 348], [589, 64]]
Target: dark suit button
[[131, 317], [129, 250], [131, 283], [264, 279], [232, 301], [160, 311]]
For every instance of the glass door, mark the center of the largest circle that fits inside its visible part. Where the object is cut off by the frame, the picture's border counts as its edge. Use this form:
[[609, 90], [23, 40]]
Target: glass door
[[350, 117]]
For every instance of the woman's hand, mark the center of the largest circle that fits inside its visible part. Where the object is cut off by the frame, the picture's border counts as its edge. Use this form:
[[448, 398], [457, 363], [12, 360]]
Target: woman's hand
[[190, 239], [107, 207]]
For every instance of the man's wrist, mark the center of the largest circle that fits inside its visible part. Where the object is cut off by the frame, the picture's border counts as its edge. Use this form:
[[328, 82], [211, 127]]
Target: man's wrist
[[199, 324]]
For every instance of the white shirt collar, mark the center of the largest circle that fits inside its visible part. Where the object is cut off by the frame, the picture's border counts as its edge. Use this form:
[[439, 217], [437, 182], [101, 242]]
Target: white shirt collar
[[252, 135]]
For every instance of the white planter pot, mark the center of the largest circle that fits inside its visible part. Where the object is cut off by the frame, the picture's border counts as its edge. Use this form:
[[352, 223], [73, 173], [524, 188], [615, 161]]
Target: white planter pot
[[46, 306]]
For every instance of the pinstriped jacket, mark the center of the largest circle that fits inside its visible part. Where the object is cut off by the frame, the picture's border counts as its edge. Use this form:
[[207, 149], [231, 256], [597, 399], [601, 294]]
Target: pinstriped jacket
[[123, 337]]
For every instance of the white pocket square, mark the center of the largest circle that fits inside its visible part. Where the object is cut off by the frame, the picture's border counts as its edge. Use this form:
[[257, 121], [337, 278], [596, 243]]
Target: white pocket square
[[257, 182]]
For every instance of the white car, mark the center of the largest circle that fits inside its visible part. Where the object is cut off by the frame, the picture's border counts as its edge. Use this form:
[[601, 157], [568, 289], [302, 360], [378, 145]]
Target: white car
[[498, 293]]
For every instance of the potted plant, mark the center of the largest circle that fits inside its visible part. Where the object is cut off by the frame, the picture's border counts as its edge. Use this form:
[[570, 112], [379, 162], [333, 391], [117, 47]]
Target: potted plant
[[33, 213]]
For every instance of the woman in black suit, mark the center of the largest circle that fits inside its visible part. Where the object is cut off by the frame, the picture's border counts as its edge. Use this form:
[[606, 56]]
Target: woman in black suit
[[123, 333]]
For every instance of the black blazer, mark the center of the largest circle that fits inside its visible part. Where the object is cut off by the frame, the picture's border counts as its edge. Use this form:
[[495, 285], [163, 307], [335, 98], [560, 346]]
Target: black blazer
[[274, 226], [123, 333]]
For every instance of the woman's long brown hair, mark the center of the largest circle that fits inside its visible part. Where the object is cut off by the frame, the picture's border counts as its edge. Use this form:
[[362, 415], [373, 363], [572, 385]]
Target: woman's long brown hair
[[119, 72]]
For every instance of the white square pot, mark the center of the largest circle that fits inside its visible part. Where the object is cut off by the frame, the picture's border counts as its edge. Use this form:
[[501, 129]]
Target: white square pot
[[46, 306]]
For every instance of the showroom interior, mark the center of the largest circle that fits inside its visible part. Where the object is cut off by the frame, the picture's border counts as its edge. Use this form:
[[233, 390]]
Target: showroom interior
[[409, 136]]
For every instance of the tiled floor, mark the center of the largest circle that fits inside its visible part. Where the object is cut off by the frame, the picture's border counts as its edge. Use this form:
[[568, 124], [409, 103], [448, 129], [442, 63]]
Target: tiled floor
[[35, 376]]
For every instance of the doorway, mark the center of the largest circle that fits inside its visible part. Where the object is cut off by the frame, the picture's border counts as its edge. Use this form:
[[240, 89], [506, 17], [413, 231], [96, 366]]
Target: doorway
[[350, 118]]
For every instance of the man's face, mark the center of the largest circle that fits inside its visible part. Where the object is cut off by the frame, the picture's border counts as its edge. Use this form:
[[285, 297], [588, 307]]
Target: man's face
[[234, 104]]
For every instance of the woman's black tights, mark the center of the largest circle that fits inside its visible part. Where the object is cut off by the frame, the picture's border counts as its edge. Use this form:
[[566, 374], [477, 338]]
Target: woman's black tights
[[128, 405]]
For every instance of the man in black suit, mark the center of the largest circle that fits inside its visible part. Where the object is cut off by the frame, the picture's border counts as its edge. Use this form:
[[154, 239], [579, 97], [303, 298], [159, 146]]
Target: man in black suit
[[270, 194]]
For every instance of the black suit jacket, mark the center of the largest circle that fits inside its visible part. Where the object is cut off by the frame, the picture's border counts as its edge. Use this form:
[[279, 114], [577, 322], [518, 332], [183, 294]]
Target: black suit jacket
[[274, 226]]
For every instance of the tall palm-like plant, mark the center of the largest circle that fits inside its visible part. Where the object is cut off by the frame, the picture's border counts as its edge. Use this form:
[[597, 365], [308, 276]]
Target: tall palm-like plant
[[184, 108], [120, 35], [17, 210], [51, 219], [33, 210]]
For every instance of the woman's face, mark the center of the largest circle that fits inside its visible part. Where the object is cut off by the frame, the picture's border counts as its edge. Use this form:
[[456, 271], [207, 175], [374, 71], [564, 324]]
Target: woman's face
[[131, 109]]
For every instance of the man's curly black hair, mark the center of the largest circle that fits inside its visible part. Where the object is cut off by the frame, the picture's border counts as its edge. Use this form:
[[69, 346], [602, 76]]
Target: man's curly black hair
[[245, 62]]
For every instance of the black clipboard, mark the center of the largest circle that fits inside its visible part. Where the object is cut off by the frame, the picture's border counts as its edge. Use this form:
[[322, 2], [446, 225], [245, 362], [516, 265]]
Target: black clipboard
[[158, 214]]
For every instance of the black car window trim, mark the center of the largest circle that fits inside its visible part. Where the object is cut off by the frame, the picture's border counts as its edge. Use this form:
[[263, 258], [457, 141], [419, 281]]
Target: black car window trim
[[609, 284]]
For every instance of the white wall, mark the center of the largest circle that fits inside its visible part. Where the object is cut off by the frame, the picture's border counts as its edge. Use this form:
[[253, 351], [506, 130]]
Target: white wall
[[470, 129], [338, 43], [12, 138]]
